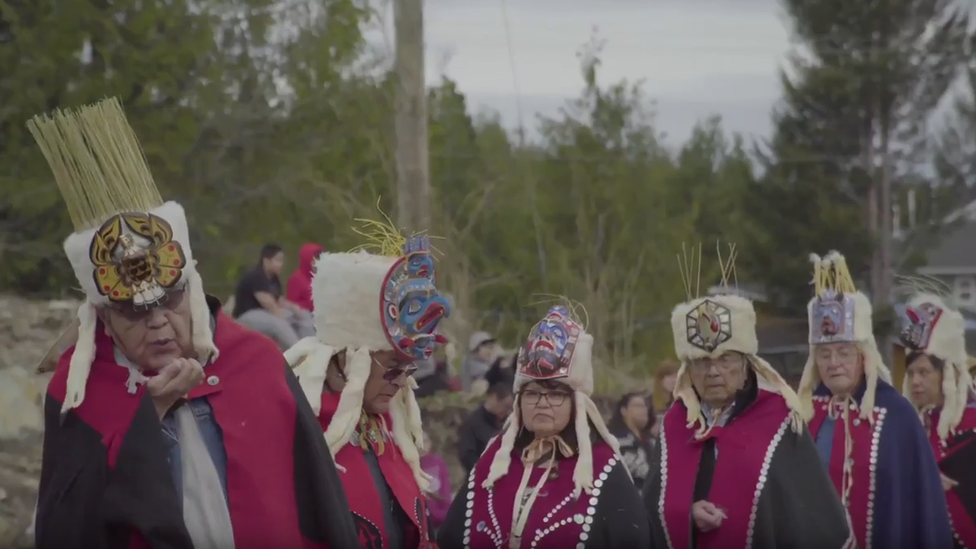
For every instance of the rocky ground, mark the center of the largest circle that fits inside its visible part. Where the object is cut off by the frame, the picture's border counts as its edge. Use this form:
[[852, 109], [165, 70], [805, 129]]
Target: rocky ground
[[27, 330]]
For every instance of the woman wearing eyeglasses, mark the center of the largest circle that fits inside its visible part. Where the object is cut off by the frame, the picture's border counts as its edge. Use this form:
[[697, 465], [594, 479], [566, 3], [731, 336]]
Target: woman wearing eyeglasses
[[376, 315], [554, 478]]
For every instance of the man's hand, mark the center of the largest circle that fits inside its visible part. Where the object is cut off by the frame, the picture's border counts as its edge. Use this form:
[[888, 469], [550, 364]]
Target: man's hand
[[948, 483], [706, 516], [173, 383]]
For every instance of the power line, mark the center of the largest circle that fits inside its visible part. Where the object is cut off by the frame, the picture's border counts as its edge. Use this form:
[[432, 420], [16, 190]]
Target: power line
[[511, 61]]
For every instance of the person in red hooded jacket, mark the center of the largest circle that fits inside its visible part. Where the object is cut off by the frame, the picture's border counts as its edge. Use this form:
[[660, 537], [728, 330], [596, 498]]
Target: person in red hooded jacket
[[300, 281]]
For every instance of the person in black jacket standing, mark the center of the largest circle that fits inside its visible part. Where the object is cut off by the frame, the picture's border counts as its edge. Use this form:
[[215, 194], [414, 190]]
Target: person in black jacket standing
[[631, 423], [486, 421]]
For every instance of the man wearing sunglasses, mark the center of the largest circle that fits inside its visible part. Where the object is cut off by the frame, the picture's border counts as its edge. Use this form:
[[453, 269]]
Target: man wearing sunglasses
[[166, 424], [376, 316]]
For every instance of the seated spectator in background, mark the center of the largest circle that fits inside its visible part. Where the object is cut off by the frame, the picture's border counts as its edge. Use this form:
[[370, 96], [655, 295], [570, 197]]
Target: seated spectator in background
[[486, 421], [300, 281], [439, 494], [631, 424], [259, 305], [481, 353]]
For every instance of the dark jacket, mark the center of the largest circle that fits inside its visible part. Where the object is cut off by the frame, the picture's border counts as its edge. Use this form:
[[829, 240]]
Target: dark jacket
[[474, 435], [636, 453]]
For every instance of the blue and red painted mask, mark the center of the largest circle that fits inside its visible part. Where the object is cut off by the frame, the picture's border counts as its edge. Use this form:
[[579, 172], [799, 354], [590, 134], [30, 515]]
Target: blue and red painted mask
[[410, 305], [548, 352]]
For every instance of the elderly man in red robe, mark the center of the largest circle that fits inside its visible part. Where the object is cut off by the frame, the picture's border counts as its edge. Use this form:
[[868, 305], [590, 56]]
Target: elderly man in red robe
[[376, 314], [167, 425]]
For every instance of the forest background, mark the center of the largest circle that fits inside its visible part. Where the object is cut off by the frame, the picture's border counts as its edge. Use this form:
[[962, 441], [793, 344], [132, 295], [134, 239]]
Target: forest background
[[272, 120]]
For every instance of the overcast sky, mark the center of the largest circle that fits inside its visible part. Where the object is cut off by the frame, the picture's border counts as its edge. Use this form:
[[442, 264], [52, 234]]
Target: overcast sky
[[697, 57]]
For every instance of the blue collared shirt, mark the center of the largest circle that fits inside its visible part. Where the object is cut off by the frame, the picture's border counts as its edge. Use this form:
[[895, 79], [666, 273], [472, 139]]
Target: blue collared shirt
[[210, 430]]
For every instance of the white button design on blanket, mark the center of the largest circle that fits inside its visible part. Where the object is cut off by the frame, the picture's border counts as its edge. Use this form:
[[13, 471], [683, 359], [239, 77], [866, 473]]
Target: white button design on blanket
[[213, 380]]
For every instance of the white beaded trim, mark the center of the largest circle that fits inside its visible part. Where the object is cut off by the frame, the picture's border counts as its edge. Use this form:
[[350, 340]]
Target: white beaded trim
[[763, 475], [952, 527], [873, 473], [872, 464], [663, 441], [494, 532], [424, 522], [591, 509], [944, 446]]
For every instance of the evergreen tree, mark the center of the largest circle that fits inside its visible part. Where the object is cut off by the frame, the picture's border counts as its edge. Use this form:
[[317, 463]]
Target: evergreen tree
[[857, 99]]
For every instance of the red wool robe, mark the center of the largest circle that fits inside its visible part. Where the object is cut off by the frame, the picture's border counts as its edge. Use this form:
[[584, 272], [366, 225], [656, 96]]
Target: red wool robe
[[365, 501], [105, 478], [956, 456]]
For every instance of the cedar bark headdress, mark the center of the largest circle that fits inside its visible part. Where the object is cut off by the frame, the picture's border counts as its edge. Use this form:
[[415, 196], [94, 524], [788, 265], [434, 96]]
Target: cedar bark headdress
[[838, 313], [708, 327], [129, 248]]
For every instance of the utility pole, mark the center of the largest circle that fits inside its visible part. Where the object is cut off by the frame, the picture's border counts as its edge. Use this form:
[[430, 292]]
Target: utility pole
[[412, 162], [885, 252]]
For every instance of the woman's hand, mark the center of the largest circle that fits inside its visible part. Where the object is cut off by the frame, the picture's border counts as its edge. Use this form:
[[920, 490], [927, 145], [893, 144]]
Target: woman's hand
[[706, 516]]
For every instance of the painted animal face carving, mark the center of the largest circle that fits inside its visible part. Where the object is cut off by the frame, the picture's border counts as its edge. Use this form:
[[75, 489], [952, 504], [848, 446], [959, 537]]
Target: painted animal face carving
[[136, 259], [548, 351], [832, 319], [420, 265], [410, 305], [919, 324]]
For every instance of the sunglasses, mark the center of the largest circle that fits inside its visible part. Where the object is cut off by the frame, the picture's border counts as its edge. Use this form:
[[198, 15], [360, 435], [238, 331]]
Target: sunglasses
[[394, 372], [391, 373]]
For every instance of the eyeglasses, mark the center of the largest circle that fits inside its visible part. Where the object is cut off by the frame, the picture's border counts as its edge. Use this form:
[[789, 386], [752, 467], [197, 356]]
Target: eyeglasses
[[554, 398], [725, 362], [844, 353], [393, 372], [171, 301], [390, 373]]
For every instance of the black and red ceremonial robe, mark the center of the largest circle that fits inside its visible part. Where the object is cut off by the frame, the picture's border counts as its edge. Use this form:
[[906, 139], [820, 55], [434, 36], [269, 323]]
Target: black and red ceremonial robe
[[106, 482]]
